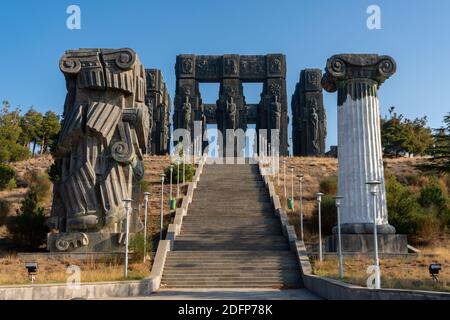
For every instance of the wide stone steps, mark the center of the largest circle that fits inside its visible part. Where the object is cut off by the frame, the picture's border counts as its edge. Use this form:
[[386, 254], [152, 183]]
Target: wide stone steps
[[230, 237]]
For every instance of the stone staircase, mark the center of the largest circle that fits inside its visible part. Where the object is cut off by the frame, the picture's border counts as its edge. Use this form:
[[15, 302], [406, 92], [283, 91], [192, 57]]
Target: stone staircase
[[230, 237]]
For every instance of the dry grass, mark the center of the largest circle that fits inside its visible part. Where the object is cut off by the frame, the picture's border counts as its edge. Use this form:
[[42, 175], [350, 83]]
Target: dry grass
[[12, 271], [400, 273]]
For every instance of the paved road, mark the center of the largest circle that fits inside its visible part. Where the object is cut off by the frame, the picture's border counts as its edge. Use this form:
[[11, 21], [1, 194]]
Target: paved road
[[231, 294]]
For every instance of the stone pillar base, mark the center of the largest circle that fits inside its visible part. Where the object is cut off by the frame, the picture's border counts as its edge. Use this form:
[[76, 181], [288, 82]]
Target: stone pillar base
[[364, 228], [363, 243], [89, 242]]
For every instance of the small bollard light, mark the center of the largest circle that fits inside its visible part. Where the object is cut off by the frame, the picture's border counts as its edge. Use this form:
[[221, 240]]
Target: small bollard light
[[32, 268], [434, 269], [319, 201]]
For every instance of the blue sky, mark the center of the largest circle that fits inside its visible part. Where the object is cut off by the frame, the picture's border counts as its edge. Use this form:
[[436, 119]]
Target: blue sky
[[416, 33]]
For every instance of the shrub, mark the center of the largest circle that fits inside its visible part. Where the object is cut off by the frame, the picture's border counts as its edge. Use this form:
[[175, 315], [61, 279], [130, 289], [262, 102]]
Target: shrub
[[28, 227], [328, 215], [38, 183], [430, 227], [189, 173], [137, 244], [329, 186], [53, 172], [4, 209], [6, 175], [402, 207], [433, 194]]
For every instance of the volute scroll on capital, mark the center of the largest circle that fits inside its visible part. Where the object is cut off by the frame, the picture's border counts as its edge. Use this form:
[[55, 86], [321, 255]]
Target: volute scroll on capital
[[344, 67]]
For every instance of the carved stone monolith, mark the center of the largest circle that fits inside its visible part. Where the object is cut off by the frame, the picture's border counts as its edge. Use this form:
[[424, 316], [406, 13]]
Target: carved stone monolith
[[309, 119], [104, 134], [357, 78], [158, 101]]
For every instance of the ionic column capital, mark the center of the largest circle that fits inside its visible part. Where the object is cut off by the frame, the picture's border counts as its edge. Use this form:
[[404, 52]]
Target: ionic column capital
[[343, 68]]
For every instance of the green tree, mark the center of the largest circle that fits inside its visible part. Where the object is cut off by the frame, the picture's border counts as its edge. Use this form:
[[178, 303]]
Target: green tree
[[50, 129], [399, 134], [28, 226], [441, 149], [10, 131], [31, 124]]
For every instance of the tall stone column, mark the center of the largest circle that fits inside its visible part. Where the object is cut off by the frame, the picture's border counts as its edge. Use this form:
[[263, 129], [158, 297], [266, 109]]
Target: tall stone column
[[357, 78]]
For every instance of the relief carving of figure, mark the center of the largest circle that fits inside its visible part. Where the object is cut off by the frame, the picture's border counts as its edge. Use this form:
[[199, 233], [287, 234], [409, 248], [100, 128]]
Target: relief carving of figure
[[99, 152], [275, 109], [231, 110], [275, 66], [187, 110], [186, 66], [314, 122]]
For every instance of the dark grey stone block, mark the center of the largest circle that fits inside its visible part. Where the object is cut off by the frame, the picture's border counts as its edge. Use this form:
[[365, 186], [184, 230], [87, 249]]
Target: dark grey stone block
[[363, 243]]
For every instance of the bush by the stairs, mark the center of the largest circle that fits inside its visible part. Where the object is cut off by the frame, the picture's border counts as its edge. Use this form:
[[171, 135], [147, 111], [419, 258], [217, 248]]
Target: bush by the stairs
[[7, 174], [329, 186], [189, 173], [28, 228], [137, 245], [328, 216]]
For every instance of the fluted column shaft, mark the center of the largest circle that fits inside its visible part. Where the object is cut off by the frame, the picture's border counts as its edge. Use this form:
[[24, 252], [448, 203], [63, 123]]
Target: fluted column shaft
[[360, 154]]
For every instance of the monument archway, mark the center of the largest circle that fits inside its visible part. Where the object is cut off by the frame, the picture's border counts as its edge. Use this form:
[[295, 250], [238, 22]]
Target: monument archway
[[231, 110]]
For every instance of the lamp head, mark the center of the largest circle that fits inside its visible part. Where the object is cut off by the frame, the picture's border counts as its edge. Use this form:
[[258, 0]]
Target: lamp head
[[319, 196], [127, 202], [300, 177], [338, 200], [373, 186]]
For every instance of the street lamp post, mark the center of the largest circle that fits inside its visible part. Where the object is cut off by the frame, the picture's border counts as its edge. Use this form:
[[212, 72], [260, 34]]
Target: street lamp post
[[184, 168], [338, 204], [146, 195], [278, 168], [127, 203], [319, 200], [284, 178], [300, 180], [291, 168], [373, 188], [170, 193], [162, 208], [178, 178]]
